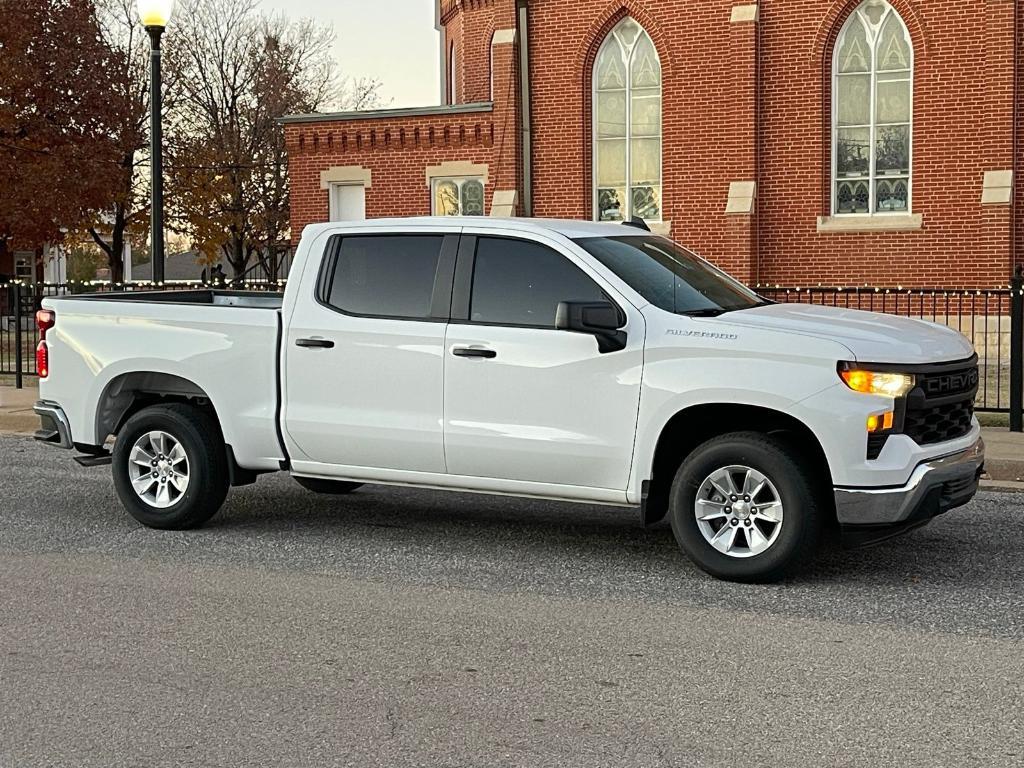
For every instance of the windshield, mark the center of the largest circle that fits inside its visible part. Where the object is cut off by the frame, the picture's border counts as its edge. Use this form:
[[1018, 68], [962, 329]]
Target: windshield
[[669, 276]]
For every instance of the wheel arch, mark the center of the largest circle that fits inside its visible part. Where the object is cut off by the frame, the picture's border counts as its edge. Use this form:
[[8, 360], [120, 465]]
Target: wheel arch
[[128, 393], [692, 426]]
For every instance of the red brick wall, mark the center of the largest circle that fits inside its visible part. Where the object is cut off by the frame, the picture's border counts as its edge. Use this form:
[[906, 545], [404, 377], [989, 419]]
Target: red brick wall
[[398, 150], [1018, 174], [745, 101], [963, 101], [962, 106]]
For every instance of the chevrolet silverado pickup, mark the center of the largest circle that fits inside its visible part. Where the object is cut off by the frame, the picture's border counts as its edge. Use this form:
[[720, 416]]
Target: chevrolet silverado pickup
[[578, 361]]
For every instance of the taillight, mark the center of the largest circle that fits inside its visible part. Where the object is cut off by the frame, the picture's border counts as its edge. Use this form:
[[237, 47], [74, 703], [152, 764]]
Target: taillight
[[42, 360], [45, 320]]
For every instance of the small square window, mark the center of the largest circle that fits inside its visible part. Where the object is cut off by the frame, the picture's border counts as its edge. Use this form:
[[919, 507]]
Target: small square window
[[457, 196]]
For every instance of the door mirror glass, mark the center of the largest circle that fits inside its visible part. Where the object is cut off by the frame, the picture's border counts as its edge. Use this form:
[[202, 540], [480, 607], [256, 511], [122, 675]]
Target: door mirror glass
[[599, 318]]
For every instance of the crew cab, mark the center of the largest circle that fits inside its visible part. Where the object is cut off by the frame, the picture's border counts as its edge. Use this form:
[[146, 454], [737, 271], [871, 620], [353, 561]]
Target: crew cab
[[577, 361]]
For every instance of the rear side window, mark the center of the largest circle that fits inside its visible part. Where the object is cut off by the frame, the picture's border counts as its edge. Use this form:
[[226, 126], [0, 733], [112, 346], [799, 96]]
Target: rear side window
[[517, 282], [385, 276]]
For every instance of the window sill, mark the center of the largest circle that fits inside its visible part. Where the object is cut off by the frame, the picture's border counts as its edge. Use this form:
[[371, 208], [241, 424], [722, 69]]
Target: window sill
[[910, 222]]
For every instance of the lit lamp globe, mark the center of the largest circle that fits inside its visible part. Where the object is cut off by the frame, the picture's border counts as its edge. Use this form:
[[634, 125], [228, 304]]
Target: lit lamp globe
[[155, 13]]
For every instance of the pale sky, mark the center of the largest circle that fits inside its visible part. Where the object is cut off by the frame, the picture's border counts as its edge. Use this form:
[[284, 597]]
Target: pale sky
[[391, 40]]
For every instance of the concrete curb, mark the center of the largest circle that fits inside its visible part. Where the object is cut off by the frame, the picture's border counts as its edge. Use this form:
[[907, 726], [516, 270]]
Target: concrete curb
[[1002, 486]]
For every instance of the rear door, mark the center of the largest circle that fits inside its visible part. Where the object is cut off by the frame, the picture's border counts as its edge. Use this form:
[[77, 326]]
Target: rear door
[[524, 401], [364, 354]]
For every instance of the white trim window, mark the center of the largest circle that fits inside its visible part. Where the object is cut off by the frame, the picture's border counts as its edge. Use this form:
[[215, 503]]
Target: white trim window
[[627, 126], [872, 107], [457, 196]]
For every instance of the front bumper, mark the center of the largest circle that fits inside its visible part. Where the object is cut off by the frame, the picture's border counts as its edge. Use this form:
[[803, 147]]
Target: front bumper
[[54, 428], [867, 515]]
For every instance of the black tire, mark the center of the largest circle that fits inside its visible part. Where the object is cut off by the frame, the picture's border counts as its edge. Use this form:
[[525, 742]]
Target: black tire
[[200, 438], [329, 487], [796, 542]]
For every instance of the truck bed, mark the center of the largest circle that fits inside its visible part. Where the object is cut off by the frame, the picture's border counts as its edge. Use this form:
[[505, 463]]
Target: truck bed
[[201, 296], [222, 344]]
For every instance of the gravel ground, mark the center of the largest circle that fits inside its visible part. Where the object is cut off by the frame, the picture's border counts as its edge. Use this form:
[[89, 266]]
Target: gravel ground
[[401, 627]]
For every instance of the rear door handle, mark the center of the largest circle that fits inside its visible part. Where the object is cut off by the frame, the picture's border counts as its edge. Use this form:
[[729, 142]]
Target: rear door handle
[[487, 354], [314, 343]]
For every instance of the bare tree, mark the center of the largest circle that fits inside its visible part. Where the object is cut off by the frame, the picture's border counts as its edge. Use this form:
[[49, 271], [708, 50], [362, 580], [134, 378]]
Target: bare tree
[[128, 109], [238, 72]]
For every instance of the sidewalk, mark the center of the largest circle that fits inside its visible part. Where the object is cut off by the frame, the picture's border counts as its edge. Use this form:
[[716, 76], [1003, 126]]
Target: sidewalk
[[16, 409], [1004, 450], [1004, 456]]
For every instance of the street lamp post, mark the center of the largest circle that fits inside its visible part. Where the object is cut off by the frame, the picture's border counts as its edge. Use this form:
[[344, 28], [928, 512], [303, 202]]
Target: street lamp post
[[154, 15]]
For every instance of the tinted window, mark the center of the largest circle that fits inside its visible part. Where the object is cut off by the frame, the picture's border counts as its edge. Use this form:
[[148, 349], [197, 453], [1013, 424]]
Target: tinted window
[[520, 283], [669, 276], [388, 276]]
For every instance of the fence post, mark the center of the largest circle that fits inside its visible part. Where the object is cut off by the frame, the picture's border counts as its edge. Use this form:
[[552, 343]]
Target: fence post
[[1017, 352], [19, 362]]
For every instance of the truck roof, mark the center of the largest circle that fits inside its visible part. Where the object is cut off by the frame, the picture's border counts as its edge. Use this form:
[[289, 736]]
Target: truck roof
[[567, 227]]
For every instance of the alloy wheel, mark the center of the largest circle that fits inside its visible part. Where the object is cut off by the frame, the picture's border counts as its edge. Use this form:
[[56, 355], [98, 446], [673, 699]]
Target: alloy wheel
[[158, 469], [738, 511]]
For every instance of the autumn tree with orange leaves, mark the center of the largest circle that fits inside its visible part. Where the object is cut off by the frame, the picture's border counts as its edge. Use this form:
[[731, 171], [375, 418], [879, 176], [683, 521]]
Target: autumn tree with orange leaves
[[57, 162]]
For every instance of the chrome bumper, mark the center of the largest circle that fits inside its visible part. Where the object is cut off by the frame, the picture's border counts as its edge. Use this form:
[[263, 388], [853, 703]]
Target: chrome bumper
[[935, 486], [55, 428]]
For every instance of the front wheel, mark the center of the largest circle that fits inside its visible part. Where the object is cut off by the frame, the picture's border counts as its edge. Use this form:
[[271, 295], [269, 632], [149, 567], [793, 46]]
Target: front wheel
[[170, 466], [743, 508]]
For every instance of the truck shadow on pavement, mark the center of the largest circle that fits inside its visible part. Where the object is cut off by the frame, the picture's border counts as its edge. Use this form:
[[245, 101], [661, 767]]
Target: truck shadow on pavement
[[960, 574], [481, 526]]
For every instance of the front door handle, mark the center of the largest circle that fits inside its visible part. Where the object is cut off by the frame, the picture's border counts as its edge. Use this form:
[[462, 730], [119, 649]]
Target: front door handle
[[486, 354], [314, 343]]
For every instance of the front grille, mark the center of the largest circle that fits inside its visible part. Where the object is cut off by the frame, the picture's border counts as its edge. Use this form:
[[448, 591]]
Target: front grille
[[940, 423], [941, 405]]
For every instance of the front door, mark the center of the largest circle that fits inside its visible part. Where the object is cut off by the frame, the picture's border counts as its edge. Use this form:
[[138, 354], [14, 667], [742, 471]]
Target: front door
[[524, 401], [364, 356]]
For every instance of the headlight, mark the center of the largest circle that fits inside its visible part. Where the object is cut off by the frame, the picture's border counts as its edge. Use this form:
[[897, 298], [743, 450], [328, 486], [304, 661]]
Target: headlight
[[875, 383]]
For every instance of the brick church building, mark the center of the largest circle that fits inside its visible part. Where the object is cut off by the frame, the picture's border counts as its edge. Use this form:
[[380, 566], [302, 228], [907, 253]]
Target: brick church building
[[798, 142]]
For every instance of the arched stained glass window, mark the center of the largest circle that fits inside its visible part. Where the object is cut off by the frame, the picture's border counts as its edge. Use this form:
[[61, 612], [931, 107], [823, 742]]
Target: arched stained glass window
[[872, 105], [627, 126]]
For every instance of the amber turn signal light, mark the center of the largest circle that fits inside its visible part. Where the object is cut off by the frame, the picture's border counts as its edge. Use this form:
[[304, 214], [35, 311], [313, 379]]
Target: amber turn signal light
[[881, 422]]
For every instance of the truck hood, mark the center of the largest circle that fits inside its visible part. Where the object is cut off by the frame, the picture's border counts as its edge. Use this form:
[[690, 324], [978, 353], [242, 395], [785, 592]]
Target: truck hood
[[870, 336]]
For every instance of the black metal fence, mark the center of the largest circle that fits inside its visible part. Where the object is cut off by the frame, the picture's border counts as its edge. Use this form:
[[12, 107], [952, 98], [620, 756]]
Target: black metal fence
[[993, 319]]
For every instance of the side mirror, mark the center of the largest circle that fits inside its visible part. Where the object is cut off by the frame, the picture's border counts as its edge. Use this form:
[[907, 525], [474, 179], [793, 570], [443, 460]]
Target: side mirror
[[600, 319]]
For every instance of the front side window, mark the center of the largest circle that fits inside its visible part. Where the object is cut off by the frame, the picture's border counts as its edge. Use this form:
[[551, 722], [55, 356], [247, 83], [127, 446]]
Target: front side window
[[627, 126], [458, 197], [517, 282], [670, 277], [872, 95], [384, 276]]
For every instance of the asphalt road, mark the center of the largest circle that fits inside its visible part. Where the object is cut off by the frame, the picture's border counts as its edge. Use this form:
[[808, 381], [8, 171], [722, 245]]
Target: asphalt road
[[406, 628]]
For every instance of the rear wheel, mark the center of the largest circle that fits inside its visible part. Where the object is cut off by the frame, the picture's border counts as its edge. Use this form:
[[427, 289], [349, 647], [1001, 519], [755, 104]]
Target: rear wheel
[[743, 508], [170, 466], [330, 487]]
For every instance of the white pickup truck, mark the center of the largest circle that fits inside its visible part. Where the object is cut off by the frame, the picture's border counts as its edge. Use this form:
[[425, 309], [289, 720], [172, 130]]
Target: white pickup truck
[[566, 360]]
